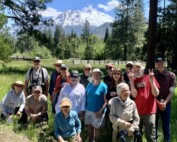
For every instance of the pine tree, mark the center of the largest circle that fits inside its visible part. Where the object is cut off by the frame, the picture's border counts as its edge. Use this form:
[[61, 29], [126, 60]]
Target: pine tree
[[106, 35]]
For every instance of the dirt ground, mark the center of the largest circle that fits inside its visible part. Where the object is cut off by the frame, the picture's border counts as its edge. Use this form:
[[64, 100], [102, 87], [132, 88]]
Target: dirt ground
[[8, 135]]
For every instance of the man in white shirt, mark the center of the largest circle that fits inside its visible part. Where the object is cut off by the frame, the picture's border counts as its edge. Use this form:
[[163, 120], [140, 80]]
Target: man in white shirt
[[75, 92]]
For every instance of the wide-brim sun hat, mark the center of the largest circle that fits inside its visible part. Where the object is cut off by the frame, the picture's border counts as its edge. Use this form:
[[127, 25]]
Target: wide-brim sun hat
[[98, 71], [58, 62], [65, 102], [18, 82]]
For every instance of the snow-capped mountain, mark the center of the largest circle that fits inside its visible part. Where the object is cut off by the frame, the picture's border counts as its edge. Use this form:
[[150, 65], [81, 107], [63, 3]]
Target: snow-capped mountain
[[78, 17]]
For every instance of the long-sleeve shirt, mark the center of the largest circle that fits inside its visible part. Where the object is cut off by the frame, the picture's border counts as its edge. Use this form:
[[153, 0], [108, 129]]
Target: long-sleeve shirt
[[53, 81], [11, 101], [67, 127], [60, 83], [123, 111], [76, 94]]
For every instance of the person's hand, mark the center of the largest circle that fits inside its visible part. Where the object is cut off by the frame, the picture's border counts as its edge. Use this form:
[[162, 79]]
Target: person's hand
[[78, 138], [33, 117], [113, 94], [161, 105], [151, 75], [98, 114], [51, 98], [131, 75], [18, 114], [127, 124], [25, 92]]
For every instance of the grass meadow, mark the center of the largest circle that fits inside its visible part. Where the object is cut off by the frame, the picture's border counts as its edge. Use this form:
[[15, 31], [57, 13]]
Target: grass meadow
[[16, 70]]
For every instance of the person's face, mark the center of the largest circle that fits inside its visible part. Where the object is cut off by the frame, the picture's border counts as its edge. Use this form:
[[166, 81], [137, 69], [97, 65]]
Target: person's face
[[124, 93], [74, 80], [87, 71], [129, 67], [160, 65], [65, 110], [36, 63], [96, 76], [63, 71], [37, 93], [109, 69], [116, 75], [17, 87], [57, 67], [138, 71]]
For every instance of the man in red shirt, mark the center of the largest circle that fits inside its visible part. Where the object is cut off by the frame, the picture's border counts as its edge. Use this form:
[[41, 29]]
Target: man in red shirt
[[144, 88]]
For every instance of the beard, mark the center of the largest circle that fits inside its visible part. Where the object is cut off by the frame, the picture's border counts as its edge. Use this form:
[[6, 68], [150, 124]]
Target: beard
[[139, 75]]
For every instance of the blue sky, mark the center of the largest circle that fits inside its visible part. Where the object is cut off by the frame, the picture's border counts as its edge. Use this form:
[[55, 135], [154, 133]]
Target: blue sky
[[106, 6]]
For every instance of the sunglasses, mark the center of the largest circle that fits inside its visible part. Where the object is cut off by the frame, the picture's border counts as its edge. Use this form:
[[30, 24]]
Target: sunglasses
[[72, 76], [18, 85], [36, 61], [58, 65], [108, 68], [87, 69], [37, 92], [65, 107], [63, 69], [129, 66]]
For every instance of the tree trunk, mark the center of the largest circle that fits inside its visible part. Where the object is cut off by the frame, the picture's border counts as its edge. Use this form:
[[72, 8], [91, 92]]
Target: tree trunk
[[152, 34]]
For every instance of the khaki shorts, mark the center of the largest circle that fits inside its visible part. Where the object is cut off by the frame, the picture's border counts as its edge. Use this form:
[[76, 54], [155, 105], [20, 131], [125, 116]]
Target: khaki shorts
[[90, 119]]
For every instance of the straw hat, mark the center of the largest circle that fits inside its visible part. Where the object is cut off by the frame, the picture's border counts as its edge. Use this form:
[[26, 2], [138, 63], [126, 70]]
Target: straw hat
[[18, 83], [58, 62], [65, 102]]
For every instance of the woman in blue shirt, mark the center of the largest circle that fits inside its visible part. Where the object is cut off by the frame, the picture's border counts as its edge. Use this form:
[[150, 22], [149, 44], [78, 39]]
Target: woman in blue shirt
[[67, 126], [95, 105]]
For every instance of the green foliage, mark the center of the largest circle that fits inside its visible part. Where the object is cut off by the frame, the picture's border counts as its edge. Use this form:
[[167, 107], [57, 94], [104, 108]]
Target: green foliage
[[26, 14], [5, 49], [128, 31], [166, 33]]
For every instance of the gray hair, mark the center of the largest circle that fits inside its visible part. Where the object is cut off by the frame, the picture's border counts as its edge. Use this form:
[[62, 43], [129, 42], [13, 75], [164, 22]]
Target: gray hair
[[120, 87]]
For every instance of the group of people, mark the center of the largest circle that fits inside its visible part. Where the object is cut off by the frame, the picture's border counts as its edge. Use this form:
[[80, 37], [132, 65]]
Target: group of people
[[132, 102]]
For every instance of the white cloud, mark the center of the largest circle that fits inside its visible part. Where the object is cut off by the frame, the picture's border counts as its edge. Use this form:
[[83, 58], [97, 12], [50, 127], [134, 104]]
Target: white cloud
[[50, 12], [110, 5]]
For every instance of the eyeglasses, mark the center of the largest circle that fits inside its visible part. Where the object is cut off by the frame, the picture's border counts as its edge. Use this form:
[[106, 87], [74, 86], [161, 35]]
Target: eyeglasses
[[37, 92], [18, 85], [108, 68], [87, 69], [72, 76]]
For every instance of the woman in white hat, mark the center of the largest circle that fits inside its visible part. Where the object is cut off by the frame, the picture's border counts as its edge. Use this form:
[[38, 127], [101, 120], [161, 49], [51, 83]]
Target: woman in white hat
[[67, 126], [13, 102], [95, 105]]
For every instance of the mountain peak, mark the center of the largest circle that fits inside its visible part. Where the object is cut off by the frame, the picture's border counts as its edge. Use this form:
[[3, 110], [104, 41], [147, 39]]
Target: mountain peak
[[78, 17]]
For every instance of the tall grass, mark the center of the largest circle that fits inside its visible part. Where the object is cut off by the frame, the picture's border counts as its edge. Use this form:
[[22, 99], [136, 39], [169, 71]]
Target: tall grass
[[16, 70]]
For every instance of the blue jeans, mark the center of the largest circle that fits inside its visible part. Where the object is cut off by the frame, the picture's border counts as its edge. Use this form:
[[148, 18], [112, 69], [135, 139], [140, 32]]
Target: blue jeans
[[165, 117]]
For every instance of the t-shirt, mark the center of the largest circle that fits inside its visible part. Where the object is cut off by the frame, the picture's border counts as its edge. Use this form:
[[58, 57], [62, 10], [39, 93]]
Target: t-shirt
[[36, 106], [36, 75], [145, 101], [95, 96]]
